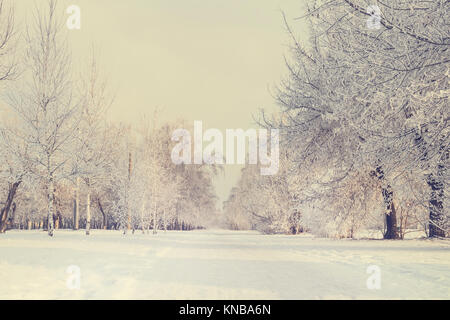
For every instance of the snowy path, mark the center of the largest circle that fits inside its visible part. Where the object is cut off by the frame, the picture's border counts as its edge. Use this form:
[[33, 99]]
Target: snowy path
[[218, 265]]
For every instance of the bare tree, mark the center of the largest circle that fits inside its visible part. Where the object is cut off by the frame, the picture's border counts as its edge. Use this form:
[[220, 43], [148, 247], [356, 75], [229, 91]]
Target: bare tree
[[45, 104], [93, 146], [7, 149], [8, 66]]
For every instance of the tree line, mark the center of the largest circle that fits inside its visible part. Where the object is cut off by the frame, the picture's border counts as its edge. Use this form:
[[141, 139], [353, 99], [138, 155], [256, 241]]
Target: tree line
[[63, 164], [364, 122]]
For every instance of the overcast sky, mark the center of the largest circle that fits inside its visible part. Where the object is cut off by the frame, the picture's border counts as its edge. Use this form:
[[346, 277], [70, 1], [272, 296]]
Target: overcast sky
[[209, 60]]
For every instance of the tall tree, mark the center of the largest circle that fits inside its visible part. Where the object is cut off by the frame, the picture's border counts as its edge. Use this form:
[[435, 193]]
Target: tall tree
[[93, 143], [45, 103], [12, 167]]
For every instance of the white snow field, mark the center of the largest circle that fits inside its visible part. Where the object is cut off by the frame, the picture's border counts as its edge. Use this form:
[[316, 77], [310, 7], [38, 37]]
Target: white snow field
[[218, 265]]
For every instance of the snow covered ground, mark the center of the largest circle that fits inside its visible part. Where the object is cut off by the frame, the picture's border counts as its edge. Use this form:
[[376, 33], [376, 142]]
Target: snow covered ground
[[218, 265]]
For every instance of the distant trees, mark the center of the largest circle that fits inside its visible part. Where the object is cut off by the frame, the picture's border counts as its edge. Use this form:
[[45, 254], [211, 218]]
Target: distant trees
[[264, 203], [145, 190], [64, 165]]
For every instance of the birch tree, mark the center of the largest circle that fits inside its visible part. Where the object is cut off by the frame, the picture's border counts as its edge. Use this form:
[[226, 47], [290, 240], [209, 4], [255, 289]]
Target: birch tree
[[93, 143]]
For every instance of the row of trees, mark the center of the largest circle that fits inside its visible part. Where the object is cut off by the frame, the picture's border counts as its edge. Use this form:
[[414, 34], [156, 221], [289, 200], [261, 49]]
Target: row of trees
[[364, 119], [62, 164]]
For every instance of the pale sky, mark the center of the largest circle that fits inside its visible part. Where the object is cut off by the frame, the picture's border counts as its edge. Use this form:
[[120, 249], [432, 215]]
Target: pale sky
[[209, 60]]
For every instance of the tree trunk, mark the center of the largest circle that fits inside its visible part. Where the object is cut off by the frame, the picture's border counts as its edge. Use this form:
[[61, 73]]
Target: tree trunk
[[154, 220], [142, 214], [435, 180], [129, 219], [105, 222], [76, 207], [390, 213], [437, 218], [142, 220], [51, 203], [88, 213], [164, 220], [57, 221], [130, 169], [9, 201], [436, 183]]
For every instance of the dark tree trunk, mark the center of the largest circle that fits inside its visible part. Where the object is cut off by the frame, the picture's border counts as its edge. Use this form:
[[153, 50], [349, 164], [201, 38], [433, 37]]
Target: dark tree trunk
[[390, 213], [438, 221], [435, 180], [437, 225], [7, 207], [105, 222]]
